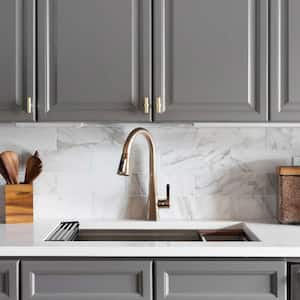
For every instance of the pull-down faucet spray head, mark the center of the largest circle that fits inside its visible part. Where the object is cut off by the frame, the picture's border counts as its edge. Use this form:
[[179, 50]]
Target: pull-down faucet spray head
[[123, 168]]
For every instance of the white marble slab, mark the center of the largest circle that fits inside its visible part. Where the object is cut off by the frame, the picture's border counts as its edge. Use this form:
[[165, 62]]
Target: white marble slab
[[215, 173]]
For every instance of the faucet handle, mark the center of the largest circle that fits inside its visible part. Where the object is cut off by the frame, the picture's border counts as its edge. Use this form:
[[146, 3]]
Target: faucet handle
[[165, 203]]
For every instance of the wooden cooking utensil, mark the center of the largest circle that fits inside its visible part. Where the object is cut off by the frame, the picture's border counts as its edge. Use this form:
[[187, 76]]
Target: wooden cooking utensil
[[36, 154], [10, 161], [34, 168], [3, 172]]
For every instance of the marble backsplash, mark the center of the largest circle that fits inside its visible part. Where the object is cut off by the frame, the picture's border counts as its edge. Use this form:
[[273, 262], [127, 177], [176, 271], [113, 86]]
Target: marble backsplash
[[214, 173]]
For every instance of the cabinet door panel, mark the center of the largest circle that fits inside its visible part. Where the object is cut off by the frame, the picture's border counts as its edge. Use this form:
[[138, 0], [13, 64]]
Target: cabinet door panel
[[285, 60], [294, 281], [9, 280], [16, 59], [88, 280], [220, 280], [211, 59], [94, 61]]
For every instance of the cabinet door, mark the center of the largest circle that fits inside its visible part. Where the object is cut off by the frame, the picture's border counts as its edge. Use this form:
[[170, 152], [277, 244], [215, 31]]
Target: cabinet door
[[285, 60], [9, 280], [220, 280], [16, 59], [294, 282], [210, 59], [86, 280], [94, 60]]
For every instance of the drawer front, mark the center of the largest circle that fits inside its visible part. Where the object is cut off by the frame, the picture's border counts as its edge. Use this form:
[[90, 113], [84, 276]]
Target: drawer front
[[9, 280], [220, 280], [86, 280]]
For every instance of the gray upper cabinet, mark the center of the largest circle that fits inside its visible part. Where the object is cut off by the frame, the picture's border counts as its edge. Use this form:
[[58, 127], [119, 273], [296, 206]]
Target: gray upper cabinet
[[87, 280], [210, 60], [94, 60], [220, 280], [16, 60], [9, 280], [285, 60]]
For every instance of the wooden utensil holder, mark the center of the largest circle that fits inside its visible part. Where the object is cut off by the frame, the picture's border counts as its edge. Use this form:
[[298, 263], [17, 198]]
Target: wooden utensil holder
[[18, 203]]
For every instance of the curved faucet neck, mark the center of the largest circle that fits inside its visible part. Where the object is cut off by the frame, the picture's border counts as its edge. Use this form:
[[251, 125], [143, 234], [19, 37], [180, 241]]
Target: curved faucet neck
[[152, 208], [131, 137]]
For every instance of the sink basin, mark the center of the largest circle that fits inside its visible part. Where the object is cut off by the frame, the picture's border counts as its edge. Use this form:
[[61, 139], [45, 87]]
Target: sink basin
[[71, 231], [138, 235]]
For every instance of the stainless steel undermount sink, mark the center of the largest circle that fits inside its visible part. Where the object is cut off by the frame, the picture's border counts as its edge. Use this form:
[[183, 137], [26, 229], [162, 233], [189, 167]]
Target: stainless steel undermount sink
[[137, 235], [71, 231]]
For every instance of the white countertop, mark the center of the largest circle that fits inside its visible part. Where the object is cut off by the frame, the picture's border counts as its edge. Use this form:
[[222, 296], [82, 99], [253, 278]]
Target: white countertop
[[29, 240]]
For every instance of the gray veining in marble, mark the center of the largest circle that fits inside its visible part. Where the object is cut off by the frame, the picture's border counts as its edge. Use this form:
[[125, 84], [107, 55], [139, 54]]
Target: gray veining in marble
[[214, 173]]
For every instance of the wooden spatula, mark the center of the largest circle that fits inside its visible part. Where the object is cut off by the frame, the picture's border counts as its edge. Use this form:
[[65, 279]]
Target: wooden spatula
[[34, 168], [3, 172], [10, 162]]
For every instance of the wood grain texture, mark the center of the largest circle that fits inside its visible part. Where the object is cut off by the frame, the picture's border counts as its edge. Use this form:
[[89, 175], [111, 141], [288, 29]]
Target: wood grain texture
[[34, 168], [11, 163], [289, 199], [3, 172], [289, 170], [18, 203]]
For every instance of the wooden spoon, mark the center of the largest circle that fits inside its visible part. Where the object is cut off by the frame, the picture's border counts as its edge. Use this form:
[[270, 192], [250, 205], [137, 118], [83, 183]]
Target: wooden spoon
[[10, 162], [34, 168], [3, 172]]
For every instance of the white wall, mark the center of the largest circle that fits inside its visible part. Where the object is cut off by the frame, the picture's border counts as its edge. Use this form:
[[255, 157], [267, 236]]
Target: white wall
[[214, 173]]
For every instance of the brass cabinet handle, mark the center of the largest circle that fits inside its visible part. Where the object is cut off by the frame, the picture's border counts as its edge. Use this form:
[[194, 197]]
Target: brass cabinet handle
[[29, 105], [146, 105], [159, 105]]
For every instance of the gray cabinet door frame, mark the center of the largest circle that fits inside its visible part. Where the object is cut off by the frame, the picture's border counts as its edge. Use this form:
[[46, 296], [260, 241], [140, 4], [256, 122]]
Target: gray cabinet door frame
[[285, 105], [9, 280], [86, 280], [253, 108], [131, 109], [294, 288], [220, 280], [22, 30]]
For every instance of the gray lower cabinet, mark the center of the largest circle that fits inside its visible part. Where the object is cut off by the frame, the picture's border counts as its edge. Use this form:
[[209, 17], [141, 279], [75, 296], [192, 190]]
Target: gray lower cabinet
[[94, 60], [285, 60], [9, 280], [294, 282], [173, 280], [16, 60], [220, 280], [210, 60], [86, 280]]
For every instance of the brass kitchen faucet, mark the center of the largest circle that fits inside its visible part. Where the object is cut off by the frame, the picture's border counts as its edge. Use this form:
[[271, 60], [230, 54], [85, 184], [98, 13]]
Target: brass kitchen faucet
[[153, 202]]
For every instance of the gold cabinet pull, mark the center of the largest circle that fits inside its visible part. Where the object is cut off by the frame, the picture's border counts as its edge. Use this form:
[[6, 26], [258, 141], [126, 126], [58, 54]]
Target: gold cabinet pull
[[29, 105], [159, 105], [146, 105]]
